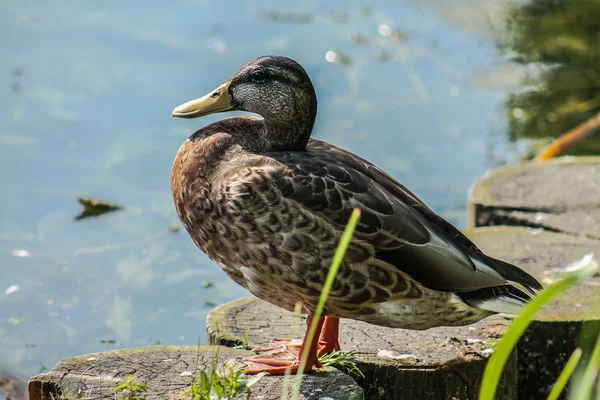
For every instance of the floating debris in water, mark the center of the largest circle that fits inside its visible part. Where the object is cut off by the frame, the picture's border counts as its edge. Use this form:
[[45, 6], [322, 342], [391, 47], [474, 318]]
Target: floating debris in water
[[277, 16], [365, 11], [175, 227], [21, 253], [360, 38], [15, 320], [108, 341], [17, 140], [339, 17], [215, 30], [219, 46], [384, 56], [337, 58], [207, 284], [393, 33], [95, 208], [210, 303], [12, 289]]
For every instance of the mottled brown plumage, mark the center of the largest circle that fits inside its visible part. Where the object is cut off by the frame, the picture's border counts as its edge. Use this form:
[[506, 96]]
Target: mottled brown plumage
[[268, 205]]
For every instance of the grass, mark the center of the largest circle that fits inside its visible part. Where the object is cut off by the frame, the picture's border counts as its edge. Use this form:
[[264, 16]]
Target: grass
[[565, 375], [584, 384], [345, 361], [221, 381], [131, 389], [216, 385], [245, 345], [497, 361]]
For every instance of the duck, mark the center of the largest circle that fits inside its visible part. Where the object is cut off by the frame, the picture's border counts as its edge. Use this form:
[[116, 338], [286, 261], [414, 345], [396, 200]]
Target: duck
[[268, 204]]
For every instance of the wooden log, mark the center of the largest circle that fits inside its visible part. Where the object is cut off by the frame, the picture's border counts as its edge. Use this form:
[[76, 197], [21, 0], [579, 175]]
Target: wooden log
[[448, 362], [168, 372], [561, 195]]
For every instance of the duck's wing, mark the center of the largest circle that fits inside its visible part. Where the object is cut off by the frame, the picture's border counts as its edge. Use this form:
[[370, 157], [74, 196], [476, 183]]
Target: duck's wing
[[327, 183], [395, 188]]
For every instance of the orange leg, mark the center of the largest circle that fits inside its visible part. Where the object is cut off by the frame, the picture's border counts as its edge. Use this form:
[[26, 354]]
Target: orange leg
[[328, 339], [284, 355]]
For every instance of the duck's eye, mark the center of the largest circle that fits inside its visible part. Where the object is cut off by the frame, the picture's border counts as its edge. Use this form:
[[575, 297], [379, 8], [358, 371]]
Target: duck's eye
[[258, 76]]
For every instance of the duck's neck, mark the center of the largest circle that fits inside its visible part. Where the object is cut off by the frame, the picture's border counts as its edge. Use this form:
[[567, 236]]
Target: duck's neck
[[290, 129]]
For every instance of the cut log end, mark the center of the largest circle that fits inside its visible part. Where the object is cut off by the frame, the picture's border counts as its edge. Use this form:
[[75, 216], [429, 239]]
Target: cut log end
[[445, 362], [168, 373]]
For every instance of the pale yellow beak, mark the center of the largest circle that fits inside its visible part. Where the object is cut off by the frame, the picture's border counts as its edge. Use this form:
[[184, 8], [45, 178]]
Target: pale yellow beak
[[215, 101]]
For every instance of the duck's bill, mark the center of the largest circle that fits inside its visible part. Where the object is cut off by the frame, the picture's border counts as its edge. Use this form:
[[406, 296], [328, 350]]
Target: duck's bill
[[214, 102]]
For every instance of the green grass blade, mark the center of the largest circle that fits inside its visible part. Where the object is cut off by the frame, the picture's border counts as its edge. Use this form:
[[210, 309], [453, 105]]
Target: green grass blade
[[295, 329], [495, 366], [335, 266], [583, 387], [564, 376]]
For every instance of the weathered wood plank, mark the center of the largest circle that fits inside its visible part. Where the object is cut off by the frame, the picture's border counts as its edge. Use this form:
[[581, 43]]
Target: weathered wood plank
[[168, 373]]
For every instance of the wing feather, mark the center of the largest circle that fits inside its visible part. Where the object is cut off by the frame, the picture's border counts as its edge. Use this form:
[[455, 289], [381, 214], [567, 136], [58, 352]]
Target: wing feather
[[328, 183]]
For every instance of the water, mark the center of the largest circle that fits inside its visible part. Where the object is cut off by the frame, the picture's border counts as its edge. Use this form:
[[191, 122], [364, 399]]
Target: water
[[86, 102]]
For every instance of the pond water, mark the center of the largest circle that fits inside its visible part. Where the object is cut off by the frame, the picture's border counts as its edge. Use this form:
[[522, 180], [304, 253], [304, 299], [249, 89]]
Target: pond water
[[418, 87]]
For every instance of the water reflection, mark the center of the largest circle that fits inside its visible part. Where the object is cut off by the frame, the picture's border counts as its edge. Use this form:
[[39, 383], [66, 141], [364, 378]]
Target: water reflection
[[558, 42]]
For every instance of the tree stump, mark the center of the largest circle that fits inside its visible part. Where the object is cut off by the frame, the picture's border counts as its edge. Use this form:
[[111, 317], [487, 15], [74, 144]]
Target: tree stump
[[561, 195], [168, 372], [439, 363], [448, 362]]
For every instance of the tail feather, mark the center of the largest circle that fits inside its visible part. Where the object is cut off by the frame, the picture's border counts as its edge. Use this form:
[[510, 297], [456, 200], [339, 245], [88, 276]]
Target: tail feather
[[508, 271], [506, 299]]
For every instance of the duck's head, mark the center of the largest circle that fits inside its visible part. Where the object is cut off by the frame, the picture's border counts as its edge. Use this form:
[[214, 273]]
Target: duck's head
[[274, 87]]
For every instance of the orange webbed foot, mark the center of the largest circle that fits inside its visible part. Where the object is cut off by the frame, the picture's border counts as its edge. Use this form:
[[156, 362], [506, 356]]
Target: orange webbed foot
[[283, 356]]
